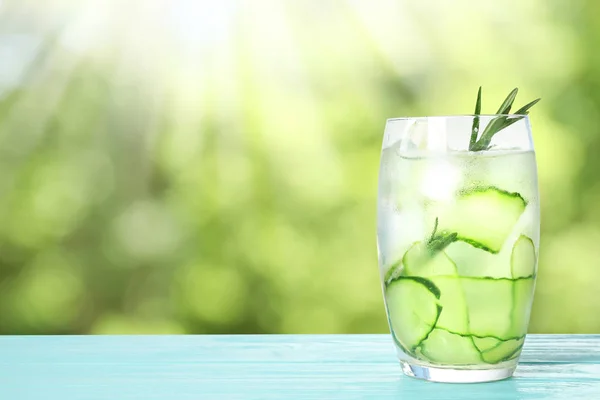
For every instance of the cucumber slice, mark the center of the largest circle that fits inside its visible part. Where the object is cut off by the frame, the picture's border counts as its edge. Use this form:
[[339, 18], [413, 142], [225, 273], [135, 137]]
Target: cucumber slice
[[489, 302], [423, 259], [522, 258], [486, 343], [498, 308], [413, 309], [448, 348], [522, 300], [454, 316], [420, 261], [440, 270], [505, 350], [484, 216], [516, 354], [473, 261]]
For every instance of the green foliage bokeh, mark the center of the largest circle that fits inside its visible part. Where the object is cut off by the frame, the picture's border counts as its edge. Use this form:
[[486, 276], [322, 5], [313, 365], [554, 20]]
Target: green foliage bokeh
[[185, 167]]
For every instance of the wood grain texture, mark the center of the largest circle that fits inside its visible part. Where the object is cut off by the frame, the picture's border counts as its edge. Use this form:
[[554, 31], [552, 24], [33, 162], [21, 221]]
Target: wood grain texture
[[271, 367]]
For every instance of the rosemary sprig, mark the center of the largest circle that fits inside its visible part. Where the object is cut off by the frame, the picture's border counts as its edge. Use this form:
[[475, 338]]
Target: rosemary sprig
[[498, 123], [439, 241], [475, 128]]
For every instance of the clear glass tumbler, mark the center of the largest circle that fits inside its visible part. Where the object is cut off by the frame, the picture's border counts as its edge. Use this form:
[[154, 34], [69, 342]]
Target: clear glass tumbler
[[458, 236]]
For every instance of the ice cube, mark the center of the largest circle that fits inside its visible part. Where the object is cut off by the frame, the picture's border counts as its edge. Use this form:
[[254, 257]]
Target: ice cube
[[440, 180]]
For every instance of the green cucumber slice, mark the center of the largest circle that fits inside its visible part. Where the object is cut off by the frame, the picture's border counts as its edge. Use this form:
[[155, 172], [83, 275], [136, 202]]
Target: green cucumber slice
[[413, 309], [454, 316], [489, 302], [522, 300], [484, 216], [448, 348], [505, 350], [486, 343], [522, 258], [498, 308], [419, 261], [424, 259], [473, 261]]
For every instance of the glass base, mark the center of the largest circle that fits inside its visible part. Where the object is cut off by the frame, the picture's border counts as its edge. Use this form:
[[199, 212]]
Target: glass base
[[448, 375]]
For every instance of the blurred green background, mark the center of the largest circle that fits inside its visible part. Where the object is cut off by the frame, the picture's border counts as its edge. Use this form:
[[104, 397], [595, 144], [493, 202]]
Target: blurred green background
[[211, 167]]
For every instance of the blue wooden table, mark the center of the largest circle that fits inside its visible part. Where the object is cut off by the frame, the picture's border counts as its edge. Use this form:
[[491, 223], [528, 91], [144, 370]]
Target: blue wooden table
[[272, 367]]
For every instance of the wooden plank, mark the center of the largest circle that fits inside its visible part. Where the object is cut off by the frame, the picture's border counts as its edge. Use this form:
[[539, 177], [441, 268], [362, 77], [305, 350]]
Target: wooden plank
[[271, 367]]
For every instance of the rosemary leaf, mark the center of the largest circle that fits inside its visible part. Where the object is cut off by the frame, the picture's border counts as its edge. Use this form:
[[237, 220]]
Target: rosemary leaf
[[475, 128], [507, 104], [523, 110]]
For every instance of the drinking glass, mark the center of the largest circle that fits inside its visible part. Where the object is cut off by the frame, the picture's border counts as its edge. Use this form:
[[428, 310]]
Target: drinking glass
[[458, 239]]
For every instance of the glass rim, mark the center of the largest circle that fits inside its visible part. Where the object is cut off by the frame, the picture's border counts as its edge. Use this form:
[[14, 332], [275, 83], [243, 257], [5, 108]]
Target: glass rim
[[426, 117]]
